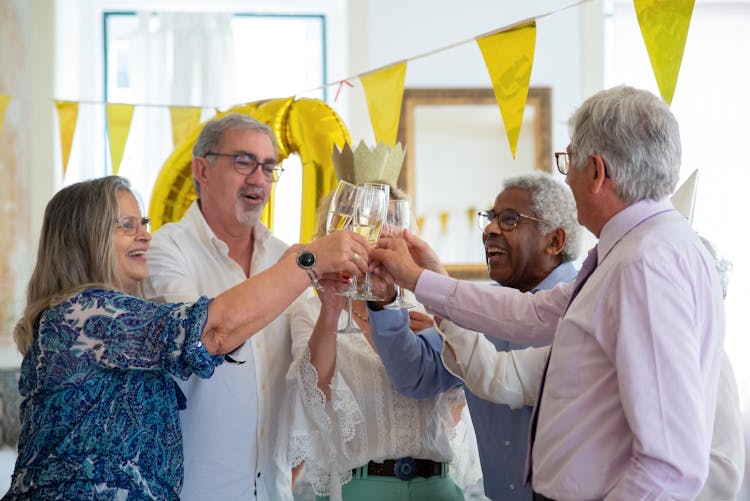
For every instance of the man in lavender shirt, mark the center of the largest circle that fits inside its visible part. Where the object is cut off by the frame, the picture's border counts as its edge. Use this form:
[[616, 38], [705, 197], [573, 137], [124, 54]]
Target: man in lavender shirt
[[627, 406]]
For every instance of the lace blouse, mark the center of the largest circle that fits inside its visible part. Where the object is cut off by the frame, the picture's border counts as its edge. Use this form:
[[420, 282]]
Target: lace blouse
[[366, 418], [100, 410]]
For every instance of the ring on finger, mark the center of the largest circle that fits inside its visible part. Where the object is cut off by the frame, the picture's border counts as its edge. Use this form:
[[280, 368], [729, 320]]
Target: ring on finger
[[355, 257]]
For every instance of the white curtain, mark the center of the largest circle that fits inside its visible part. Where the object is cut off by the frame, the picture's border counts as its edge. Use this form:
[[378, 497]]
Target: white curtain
[[175, 59]]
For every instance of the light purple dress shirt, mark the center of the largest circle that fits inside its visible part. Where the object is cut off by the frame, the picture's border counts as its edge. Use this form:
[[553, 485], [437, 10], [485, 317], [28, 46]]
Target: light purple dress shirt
[[628, 405]]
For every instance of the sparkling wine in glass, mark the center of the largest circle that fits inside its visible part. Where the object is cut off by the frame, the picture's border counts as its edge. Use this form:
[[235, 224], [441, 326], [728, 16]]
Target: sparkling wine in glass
[[341, 209], [368, 221], [398, 219], [340, 212]]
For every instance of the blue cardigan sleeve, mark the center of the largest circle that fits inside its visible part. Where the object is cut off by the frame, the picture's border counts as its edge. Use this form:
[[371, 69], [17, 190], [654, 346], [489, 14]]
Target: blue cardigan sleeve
[[412, 360]]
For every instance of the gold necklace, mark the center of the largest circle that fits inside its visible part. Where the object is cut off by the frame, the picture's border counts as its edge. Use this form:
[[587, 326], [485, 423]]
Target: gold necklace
[[361, 317]]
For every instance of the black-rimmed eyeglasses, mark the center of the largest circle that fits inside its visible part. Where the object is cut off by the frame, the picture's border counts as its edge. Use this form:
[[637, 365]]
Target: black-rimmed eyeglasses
[[246, 164], [131, 224], [507, 219]]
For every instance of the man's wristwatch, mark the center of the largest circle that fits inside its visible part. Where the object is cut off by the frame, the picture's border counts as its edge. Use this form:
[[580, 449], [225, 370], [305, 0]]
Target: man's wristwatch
[[306, 260]]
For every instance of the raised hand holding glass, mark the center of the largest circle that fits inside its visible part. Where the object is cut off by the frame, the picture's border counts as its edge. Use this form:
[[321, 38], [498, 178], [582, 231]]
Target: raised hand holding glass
[[398, 219]]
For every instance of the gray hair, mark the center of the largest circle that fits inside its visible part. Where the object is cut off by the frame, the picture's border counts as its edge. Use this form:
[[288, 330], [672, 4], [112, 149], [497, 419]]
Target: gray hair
[[76, 249], [552, 202], [211, 134], [636, 135]]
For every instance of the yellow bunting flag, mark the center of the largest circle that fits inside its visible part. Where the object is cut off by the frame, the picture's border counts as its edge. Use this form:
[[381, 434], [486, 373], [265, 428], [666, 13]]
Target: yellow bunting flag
[[67, 114], [420, 224], [664, 25], [4, 100], [471, 214], [509, 56], [443, 222], [184, 120], [384, 91], [118, 128]]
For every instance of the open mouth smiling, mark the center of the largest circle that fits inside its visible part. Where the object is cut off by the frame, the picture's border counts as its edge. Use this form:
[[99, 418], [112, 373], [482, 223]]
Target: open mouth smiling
[[494, 250], [252, 195]]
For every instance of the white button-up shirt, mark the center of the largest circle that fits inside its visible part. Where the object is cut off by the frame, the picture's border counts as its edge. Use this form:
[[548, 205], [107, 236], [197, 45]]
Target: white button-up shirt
[[230, 426]]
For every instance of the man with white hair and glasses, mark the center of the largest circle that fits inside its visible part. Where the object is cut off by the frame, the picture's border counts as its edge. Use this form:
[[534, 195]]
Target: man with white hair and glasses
[[627, 399], [531, 238]]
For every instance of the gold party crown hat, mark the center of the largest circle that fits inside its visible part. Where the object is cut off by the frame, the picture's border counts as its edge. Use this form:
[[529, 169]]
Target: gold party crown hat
[[365, 165]]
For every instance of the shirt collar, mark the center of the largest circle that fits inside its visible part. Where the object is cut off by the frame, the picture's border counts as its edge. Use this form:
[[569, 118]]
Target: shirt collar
[[564, 272], [261, 233], [627, 219]]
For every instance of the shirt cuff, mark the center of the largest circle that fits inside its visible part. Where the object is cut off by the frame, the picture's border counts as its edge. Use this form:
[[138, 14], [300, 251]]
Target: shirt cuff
[[388, 322], [433, 291], [200, 360]]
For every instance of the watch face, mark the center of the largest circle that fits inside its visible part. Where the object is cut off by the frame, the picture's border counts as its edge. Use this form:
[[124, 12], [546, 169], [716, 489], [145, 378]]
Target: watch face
[[306, 259]]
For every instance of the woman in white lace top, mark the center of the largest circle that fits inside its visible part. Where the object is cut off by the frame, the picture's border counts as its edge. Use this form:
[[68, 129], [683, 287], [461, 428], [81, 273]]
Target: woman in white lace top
[[359, 438], [349, 422]]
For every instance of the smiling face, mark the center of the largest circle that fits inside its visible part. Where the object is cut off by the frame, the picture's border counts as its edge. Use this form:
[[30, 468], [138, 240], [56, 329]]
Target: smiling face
[[229, 199], [516, 258], [130, 249]]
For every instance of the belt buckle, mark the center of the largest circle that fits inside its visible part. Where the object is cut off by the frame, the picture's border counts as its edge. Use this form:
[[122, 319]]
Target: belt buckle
[[405, 468]]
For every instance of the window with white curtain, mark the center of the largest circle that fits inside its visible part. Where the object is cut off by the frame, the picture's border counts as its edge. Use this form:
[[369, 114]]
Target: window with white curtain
[[189, 53], [214, 60], [712, 105]]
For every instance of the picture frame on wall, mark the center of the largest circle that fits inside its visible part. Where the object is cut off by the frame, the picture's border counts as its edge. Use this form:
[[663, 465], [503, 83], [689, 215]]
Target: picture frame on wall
[[457, 156]]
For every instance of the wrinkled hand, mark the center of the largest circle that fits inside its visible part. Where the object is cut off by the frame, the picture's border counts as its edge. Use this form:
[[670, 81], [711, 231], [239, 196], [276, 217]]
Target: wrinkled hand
[[329, 299], [340, 252], [383, 286], [419, 321], [392, 257], [423, 254]]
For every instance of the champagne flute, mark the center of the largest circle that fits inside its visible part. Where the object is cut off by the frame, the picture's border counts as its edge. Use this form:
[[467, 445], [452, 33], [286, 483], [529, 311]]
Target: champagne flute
[[368, 221], [340, 212], [341, 208], [397, 221]]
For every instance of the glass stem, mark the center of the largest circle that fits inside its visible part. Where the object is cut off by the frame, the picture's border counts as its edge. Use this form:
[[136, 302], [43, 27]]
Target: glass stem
[[349, 320]]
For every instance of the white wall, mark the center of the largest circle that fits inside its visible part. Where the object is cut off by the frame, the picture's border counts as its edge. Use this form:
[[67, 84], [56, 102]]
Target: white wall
[[568, 56], [385, 31]]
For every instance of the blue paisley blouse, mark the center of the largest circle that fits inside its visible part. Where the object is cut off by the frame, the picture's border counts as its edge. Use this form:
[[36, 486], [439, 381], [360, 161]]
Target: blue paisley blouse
[[100, 412]]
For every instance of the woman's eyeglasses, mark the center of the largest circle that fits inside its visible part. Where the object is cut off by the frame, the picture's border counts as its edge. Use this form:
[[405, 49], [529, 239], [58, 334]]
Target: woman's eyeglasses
[[131, 224]]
